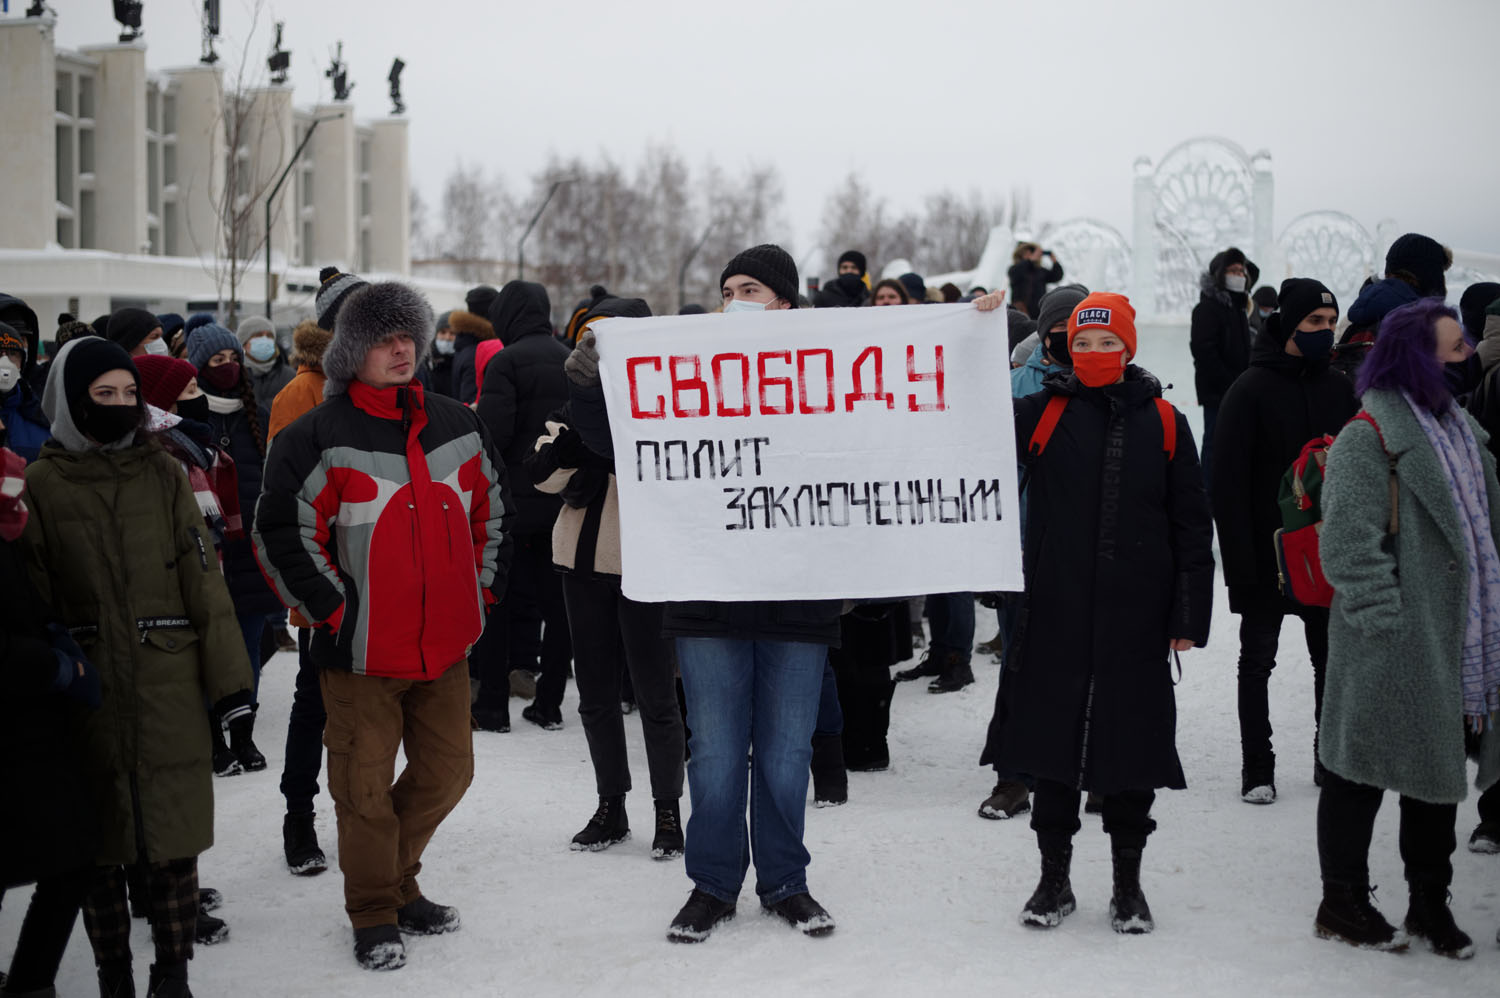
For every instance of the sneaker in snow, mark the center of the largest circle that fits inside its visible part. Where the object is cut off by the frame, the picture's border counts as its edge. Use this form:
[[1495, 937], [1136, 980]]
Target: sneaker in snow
[[424, 918], [1486, 837], [802, 913], [379, 947], [698, 917]]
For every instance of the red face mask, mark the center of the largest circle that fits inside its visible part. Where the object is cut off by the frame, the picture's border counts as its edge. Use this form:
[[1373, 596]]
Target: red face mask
[[12, 480], [1097, 369], [223, 378]]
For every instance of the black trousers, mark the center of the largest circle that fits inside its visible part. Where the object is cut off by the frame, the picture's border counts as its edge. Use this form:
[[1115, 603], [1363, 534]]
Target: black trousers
[[614, 637], [1489, 804], [304, 734], [1127, 815], [1260, 634], [1346, 821], [535, 622], [45, 930]]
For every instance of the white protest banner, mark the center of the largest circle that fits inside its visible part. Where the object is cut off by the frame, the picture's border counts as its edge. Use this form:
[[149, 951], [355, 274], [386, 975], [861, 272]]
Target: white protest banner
[[801, 454]]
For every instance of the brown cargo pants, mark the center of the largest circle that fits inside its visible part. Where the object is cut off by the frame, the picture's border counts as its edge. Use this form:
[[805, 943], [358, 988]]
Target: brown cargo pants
[[385, 826]]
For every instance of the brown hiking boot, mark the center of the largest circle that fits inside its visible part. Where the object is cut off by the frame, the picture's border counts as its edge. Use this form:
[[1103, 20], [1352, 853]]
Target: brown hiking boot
[[1008, 799]]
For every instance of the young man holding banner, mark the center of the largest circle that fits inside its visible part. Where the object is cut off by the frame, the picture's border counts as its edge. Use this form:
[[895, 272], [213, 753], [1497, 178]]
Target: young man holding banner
[[752, 667]]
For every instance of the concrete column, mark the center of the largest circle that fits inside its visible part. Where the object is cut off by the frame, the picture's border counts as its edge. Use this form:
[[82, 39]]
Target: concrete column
[[335, 188], [1266, 250], [200, 160], [28, 153], [1143, 241], [269, 138], [120, 147], [390, 197]]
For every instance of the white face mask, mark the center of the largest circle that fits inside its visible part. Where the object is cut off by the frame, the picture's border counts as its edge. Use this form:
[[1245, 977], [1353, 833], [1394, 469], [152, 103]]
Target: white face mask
[[261, 348], [10, 375], [740, 305], [444, 347], [1235, 283], [157, 347]]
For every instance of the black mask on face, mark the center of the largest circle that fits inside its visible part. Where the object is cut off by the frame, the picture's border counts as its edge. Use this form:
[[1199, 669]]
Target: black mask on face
[[194, 408], [107, 423], [1057, 348]]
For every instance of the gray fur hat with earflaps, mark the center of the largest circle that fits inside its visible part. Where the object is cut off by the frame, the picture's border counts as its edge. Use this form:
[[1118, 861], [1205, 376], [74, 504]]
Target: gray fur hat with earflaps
[[367, 316]]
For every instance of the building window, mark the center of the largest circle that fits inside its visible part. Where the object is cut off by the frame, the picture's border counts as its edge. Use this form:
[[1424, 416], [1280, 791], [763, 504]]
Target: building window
[[364, 250], [85, 219], [168, 114], [85, 150], [65, 234], [169, 228], [169, 164], [64, 101], [85, 97], [153, 111], [153, 177], [364, 198], [65, 174], [153, 237]]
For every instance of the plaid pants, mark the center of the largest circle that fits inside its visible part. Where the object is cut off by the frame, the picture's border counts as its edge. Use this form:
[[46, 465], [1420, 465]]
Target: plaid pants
[[172, 892]]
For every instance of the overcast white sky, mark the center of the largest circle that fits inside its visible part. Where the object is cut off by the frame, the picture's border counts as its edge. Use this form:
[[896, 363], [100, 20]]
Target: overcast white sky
[[1381, 109]]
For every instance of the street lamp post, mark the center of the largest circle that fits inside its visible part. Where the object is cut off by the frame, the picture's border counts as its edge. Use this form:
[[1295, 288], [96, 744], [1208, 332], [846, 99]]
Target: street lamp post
[[686, 262], [521, 246], [312, 127]]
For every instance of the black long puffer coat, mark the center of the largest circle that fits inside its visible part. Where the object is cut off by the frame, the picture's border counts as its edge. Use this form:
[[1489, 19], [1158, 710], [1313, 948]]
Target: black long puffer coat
[[1273, 409], [1118, 562]]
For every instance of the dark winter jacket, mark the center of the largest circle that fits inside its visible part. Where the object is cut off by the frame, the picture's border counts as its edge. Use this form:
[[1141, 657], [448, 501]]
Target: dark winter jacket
[[1267, 415], [42, 785], [523, 384], [1374, 302], [1220, 339], [844, 291], [21, 407], [385, 521], [268, 385], [117, 547], [1028, 282], [815, 621], [1118, 562], [469, 330], [232, 433]]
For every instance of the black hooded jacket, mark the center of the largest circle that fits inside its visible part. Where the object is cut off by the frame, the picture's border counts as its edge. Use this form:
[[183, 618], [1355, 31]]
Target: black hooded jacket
[[1118, 562], [1273, 409], [21, 407], [1220, 338], [523, 383]]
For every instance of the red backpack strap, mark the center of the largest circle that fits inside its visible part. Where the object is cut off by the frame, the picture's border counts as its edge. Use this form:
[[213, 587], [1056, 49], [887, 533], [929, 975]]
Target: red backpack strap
[[1364, 416], [1044, 427], [1168, 427]]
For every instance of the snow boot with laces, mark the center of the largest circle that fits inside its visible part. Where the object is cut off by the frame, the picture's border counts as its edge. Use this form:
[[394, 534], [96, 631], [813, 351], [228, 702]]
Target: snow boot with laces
[[299, 841], [607, 827], [955, 675], [930, 666], [1347, 915], [1053, 900], [698, 917], [1128, 912], [1008, 799], [802, 913], [1429, 919], [668, 842]]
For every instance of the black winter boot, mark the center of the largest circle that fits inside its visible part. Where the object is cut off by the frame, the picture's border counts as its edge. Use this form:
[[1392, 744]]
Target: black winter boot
[[1347, 915], [225, 761], [931, 665], [169, 980], [698, 917], [209, 930], [243, 745], [423, 917], [668, 843], [1429, 919], [955, 675], [802, 913], [830, 778], [607, 827], [299, 840], [1128, 912], [116, 980], [379, 947], [1053, 900], [209, 899]]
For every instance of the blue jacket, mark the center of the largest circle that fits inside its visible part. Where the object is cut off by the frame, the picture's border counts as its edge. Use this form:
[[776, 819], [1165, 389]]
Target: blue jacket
[[1027, 379], [25, 425]]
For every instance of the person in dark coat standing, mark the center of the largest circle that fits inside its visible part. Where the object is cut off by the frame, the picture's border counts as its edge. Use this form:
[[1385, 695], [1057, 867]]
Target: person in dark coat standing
[[46, 687], [1414, 268], [1220, 336], [1119, 576], [20, 400], [471, 326], [523, 383], [1032, 269], [1287, 397]]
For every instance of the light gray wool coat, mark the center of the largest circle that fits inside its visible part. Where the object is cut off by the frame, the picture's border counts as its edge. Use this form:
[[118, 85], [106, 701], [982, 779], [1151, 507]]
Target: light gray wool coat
[[1392, 704]]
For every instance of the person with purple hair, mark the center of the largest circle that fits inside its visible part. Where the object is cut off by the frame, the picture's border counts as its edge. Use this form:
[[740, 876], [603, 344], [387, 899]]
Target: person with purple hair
[[1410, 509]]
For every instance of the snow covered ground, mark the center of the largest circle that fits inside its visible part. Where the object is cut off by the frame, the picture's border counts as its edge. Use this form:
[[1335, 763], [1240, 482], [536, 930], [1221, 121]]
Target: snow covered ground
[[925, 892]]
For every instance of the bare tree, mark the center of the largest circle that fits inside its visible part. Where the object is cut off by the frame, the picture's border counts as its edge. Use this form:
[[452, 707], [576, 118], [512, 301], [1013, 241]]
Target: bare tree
[[855, 218], [954, 229], [420, 234], [471, 216]]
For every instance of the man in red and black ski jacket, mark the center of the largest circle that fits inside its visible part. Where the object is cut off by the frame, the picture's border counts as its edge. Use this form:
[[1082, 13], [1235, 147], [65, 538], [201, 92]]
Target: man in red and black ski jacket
[[384, 519]]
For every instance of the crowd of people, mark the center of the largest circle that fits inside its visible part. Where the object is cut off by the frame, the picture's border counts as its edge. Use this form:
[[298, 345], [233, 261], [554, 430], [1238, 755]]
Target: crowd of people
[[430, 501]]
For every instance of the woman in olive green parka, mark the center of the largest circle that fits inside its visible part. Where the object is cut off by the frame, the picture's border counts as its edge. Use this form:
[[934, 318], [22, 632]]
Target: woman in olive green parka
[[116, 545]]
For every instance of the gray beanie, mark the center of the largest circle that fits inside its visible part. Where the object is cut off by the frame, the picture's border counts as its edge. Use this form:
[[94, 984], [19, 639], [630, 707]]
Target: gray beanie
[[334, 286], [368, 315], [207, 340], [253, 325], [1056, 305]]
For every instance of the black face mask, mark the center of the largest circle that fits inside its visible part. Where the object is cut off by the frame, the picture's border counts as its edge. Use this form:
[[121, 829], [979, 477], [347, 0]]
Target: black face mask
[[107, 423], [194, 408], [1057, 348]]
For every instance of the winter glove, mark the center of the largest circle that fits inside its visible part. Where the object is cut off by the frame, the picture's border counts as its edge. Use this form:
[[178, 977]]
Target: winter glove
[[582, 365], [569, 450]]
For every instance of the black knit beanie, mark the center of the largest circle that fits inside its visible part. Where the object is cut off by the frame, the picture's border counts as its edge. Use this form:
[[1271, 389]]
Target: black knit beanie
[[91, 357], [770, 265], [129, 326], [1471, 305], [479, 299], [1423, 258], [855, 257], [1299, 298]]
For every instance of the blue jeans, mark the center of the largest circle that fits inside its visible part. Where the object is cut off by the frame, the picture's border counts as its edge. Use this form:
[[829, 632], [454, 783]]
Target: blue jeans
[[951, 616], [757, 699]]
